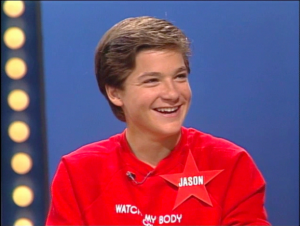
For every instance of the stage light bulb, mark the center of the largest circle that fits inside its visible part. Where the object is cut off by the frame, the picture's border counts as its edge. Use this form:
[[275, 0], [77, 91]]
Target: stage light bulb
[[14, 38], [18, 131], [23, 196], [18, 100], [23, 222], [13, 8], [15, 68], [21, 163]]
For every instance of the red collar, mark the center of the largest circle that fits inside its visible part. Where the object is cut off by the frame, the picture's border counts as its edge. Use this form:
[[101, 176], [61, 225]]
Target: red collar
[[174, 162]]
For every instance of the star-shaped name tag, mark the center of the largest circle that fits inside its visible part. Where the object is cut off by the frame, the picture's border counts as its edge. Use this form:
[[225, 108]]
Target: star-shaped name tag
[[191, 182]]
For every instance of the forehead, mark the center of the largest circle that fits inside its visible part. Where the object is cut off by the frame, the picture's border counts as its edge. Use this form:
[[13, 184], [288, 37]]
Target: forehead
[[158, 60], [155, 53], [155, 63]]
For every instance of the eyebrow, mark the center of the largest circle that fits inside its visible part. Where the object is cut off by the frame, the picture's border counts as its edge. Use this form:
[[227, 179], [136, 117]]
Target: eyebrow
[[153, 73]]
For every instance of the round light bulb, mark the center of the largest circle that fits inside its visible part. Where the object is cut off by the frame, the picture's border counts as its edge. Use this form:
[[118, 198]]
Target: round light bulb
[[13, 8], [18, 100], [22, 196], [14, 38], [23, 222], [15, 68], [21, 163], [18, 131]]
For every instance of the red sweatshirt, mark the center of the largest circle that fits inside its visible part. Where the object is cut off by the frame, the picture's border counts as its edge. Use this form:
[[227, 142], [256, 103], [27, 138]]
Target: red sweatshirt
[[204, 181]]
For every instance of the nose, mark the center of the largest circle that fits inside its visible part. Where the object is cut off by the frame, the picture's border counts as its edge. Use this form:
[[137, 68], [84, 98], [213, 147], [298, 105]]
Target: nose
[[170, 91]]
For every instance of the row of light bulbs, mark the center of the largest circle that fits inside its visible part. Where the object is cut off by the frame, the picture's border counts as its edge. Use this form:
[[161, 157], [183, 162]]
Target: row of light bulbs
[[18, 100]]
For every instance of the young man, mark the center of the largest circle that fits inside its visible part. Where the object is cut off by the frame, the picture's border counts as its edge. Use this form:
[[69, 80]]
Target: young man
[[156, 171]]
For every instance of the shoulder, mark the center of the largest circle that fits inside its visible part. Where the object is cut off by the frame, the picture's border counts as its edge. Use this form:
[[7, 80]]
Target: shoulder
[[214, 149], [89, 168], [212, 153], [96, 152], [205, 140], [92, 163]]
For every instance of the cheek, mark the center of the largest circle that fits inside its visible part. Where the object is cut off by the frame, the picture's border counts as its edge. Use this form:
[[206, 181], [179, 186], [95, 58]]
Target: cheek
[[145, 96], [187, 92], [190, 94], [137, 101]]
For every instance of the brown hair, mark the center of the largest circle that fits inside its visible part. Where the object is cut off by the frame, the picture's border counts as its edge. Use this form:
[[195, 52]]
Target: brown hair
[[116, 52]]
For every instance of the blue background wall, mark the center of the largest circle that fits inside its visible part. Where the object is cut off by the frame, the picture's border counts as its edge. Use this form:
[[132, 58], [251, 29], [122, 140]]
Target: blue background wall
[[245, 81]]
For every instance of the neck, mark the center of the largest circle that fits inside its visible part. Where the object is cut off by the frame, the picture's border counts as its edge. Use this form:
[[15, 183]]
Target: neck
[[151, 149]]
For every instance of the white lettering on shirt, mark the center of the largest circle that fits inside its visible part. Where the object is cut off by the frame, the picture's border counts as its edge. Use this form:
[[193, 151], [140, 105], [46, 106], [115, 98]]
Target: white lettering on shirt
[[120, 208], [172, 218], [191, 181], [149, 219]]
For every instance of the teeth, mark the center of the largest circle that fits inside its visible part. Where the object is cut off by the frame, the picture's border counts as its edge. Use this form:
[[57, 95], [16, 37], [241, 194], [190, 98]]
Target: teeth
[[167, 109]]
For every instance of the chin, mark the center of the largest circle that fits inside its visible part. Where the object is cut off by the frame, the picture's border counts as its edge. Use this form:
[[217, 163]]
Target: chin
[[169, 130]]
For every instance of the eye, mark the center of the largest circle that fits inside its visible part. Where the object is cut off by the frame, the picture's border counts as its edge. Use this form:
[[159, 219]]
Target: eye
[[152, 80], [181, 77]]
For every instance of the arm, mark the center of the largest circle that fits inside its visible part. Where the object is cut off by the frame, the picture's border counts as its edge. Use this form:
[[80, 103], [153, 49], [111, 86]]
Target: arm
[[245, 197], [64, 209]]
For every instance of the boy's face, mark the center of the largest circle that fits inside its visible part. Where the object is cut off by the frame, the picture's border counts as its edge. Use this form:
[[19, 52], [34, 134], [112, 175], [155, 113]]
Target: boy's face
[[156, 95]]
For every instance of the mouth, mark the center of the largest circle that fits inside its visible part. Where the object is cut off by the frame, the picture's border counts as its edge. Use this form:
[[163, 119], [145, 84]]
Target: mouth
[[167, 110]]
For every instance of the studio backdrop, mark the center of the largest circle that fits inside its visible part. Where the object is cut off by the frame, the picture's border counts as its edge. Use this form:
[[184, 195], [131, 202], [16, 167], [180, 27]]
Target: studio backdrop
[[244, 78]]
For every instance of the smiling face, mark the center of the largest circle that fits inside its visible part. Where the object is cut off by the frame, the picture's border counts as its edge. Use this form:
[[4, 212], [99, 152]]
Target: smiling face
[[156, 95]]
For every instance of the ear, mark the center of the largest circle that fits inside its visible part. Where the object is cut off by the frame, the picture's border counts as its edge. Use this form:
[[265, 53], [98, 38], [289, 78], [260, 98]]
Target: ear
[[114, 95]]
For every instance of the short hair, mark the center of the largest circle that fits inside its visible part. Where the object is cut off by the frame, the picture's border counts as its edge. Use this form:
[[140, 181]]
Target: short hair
[[116, 51]]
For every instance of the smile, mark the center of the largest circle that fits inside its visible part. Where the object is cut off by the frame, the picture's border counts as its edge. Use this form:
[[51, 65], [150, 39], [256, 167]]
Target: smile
[[167, 110]]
